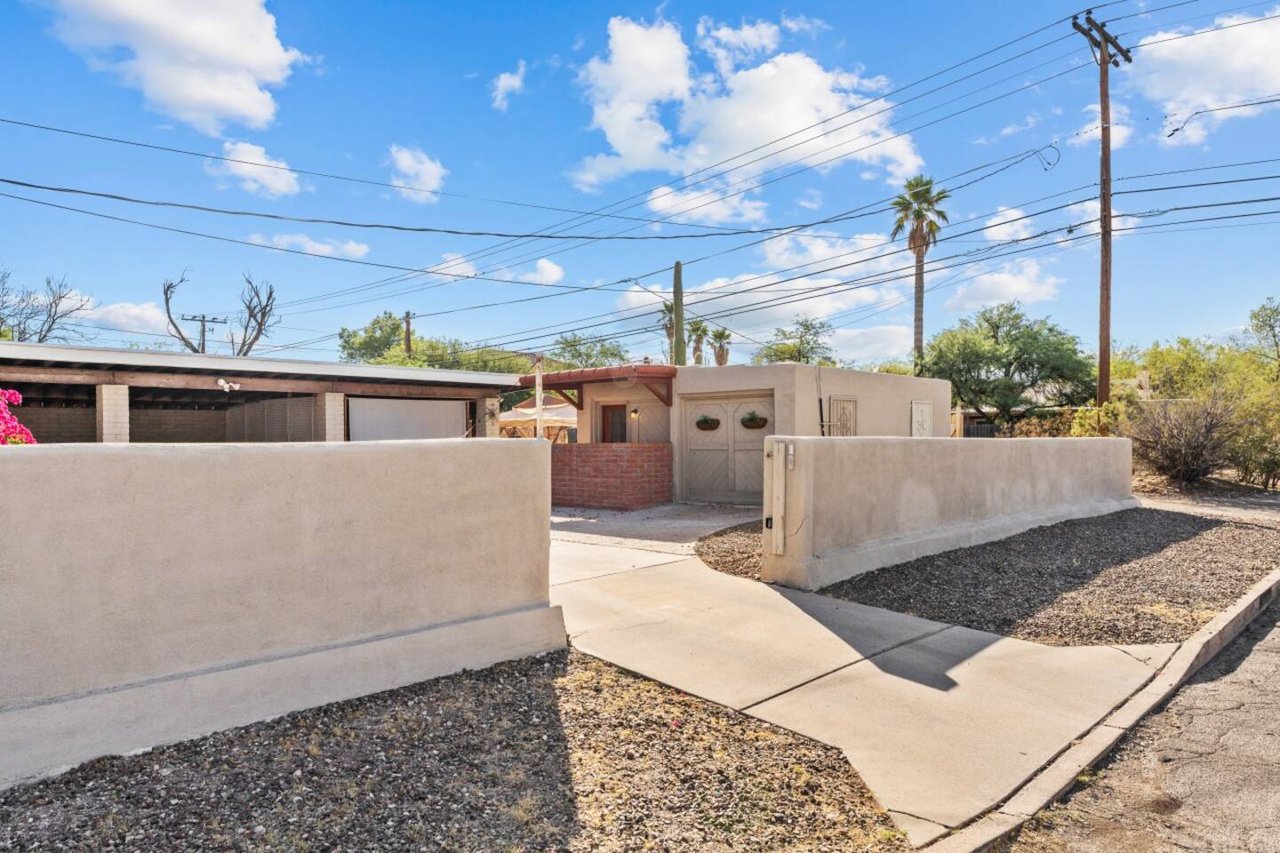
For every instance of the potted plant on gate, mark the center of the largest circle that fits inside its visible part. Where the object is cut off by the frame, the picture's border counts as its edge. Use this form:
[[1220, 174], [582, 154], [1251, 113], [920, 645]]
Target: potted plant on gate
[[706, 423], [754, 420]]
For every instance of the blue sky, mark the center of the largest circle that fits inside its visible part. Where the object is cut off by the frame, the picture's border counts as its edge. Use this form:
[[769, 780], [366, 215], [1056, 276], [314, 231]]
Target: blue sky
[[584, 105]]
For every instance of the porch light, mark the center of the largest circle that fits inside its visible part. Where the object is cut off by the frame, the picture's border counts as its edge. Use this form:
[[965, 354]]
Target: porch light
[[635, 414]]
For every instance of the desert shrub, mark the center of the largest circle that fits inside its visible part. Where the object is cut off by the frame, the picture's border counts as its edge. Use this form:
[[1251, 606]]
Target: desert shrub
[[1109, 419], [1255, 451], [1185, 440], [1055, 425]]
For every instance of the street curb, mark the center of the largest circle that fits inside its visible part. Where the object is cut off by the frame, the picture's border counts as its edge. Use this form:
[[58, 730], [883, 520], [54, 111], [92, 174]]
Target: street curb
[[1059, 776]]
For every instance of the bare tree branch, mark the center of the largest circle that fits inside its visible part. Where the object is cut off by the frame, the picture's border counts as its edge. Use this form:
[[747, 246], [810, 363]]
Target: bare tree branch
[[259, 315], [39, 317], [170, 288]]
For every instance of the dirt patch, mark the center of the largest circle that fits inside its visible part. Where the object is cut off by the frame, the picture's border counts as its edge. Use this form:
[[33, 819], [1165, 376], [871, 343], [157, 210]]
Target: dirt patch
[[734, 550], [1138, 576], [561, 752]]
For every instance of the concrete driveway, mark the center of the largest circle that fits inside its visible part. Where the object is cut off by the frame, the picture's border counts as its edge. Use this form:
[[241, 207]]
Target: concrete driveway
[[942, 722]]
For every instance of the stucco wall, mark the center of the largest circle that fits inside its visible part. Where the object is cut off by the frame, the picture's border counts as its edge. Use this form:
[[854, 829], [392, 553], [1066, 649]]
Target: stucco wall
[[154, 593], [851, 505]]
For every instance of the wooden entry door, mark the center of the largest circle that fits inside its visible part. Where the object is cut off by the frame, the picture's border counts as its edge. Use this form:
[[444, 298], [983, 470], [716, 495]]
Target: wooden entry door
[[613, 424], [726, 464]]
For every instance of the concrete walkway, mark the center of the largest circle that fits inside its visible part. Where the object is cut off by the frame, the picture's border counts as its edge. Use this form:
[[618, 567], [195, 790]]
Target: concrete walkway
[[941, 722]]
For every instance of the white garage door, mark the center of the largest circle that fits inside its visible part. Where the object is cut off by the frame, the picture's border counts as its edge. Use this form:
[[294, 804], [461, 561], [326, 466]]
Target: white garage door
[[375, 419]]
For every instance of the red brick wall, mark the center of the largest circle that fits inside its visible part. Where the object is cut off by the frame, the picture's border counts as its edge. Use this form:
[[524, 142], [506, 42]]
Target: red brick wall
[[610, 476]]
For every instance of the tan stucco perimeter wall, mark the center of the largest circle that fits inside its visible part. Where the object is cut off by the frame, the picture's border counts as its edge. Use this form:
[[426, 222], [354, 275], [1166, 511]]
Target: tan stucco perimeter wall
[[152, 593], [852, 505]]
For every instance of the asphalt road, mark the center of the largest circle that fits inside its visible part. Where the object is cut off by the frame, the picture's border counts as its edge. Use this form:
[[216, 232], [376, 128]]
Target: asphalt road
[[1202, 774]]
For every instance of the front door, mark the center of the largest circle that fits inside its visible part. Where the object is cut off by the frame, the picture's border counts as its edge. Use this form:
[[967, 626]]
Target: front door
[[613, 424], [724, 448]]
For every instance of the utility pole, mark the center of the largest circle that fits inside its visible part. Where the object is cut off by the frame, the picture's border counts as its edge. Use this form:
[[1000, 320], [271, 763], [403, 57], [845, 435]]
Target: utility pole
[[677, 315], [204, 320], [1103, 43], [408, 333]]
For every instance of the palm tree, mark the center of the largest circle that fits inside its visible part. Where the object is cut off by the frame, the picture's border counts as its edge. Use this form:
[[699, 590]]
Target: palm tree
[[720, 339], [698, 332], [920, 216], [668, 324]]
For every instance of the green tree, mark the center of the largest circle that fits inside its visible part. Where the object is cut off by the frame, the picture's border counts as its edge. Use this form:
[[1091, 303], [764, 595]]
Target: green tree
[[919, 215], [577, 351], [1006, 366], [667, 322], [721, 338], [806, 342], [381, 334], [698, 331], [1264, 334]]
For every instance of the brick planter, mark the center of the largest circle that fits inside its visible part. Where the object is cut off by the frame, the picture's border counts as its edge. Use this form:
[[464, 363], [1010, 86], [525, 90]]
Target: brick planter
[[610, 476]]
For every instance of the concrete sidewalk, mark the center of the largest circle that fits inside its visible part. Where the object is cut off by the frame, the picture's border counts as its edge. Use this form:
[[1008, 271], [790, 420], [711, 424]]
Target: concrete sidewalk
[[941, 722]]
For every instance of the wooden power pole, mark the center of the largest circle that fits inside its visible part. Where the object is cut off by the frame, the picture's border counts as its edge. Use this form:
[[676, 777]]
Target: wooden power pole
[[1103, 43], [677, 315], [408, 333], [205, 321]]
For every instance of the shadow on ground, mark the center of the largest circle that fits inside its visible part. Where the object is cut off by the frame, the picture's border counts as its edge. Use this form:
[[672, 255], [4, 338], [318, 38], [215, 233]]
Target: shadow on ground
[[559, 752], [1137, 576]]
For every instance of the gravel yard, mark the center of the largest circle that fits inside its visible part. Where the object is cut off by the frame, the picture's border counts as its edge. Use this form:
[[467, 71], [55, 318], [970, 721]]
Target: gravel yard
[[1137, 576], [562, 752], [734, 550]]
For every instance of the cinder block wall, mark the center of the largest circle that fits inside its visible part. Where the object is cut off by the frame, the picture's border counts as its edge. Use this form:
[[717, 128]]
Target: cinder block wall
[[610, 476], [155, 593], [58, 426], [177, 425]]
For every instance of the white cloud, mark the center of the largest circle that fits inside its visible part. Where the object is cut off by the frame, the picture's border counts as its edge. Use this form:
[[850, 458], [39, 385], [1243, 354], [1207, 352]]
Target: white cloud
[[647, 66], [416, 171], [865, 253], [811, 200], [128, 316], [729, 47], [506, 84], [803, 24], [1091, 131], [332, 248], [1212, 70], [1021, 279], [453, 263], [706, 206], [874, 343], [1000, 227], [545, 271], [657, 116], [1085, 215], [205, 64], [1013, 129], [270, 180]]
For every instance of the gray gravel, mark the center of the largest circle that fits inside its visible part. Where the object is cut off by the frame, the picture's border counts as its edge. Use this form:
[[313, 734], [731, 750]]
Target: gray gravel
[[734, 550], [562, 752], [1202, 774], [1138, 576]]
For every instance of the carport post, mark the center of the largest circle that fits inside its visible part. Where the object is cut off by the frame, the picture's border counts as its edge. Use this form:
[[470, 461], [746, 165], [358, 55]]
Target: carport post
[[112, 403]]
